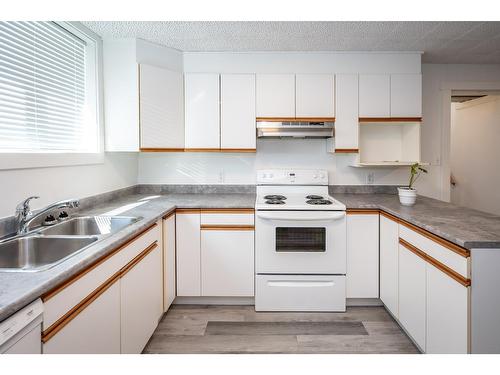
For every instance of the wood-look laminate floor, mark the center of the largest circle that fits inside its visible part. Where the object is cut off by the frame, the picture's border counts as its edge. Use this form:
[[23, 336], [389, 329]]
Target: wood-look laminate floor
[[239, 329]]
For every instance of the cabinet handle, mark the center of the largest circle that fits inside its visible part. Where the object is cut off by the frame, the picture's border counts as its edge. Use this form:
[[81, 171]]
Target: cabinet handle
[[227, 227], [440, 266]]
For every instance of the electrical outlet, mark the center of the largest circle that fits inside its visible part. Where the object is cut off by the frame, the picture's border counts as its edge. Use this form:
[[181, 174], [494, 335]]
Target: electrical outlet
[[370, 178]]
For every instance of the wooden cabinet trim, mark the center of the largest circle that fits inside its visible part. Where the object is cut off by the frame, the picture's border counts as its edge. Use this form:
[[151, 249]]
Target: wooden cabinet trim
[[346, 150], [76, 310], [159, 149], [187, 211], [138, 258], [285, 119], [227, 227], [170, 214], [390, 217], [202, 149], [83, 272], [390, 119], [246, 150], [440, 266], [367, 211], [450, 246], [227, 210]]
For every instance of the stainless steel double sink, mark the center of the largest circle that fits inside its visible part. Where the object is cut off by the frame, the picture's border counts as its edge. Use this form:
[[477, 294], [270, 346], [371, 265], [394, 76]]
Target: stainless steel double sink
[[46, 247]]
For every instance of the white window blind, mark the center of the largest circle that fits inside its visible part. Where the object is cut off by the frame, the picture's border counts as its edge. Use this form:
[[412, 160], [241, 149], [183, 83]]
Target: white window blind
[[43, 90]]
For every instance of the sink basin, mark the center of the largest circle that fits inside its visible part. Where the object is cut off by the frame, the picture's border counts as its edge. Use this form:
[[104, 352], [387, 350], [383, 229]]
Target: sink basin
[[36, 253], [89, 226]]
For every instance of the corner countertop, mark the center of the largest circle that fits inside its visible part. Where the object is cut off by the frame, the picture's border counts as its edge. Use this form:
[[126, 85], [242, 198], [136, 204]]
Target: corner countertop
[[462, 226], [17, 289]]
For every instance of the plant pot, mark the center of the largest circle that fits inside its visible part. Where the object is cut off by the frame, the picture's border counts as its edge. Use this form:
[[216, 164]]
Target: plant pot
[[407, 196]]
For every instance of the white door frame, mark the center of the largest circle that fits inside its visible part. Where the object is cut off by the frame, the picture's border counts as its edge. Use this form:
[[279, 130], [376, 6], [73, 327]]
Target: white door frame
[[446, 90]]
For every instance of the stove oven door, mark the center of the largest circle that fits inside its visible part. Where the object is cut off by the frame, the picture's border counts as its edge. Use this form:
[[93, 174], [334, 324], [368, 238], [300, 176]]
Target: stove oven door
[[300, 242]]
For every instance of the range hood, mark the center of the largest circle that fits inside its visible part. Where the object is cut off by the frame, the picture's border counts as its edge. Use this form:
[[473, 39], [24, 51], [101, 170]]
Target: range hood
[[294, 128]]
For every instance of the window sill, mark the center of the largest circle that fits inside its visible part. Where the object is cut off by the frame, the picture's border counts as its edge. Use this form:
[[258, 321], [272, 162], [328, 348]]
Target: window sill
[[46, 160]]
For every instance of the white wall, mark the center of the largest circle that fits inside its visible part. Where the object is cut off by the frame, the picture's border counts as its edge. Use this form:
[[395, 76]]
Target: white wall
[[218, 168], [51, 184], [475, 153], [436, 78]]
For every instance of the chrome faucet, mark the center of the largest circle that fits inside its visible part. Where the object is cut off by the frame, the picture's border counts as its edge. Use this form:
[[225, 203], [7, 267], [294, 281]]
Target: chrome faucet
[[25, 216]]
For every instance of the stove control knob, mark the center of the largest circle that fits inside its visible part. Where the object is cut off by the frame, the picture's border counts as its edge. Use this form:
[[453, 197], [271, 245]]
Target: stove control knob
[[315, 176], [270, 175]]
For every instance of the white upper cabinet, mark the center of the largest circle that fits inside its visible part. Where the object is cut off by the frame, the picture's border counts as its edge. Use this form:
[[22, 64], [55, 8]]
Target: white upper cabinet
[[275, 95], [406, 95], [143, 99], [346, 117], [237, 126], [315, 95], [201, 111], [161, 108], [375, 95]]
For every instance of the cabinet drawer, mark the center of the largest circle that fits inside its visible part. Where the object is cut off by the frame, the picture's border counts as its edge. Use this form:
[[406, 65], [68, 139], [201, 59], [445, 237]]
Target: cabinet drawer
[[62, 299], [299, 293], [447, 255], [222, 217]]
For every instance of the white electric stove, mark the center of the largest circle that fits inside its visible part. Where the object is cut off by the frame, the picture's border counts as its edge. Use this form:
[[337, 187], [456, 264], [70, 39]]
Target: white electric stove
[[300, 243]]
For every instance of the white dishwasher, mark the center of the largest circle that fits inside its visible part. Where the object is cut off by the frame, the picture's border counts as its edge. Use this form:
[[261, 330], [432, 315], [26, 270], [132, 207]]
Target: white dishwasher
[[21, 333]]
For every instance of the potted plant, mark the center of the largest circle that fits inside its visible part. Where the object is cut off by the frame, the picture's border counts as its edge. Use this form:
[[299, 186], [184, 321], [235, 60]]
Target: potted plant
[[408, 194]]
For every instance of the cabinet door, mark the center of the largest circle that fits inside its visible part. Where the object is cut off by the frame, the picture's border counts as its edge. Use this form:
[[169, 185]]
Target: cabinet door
[[202, 111], [227, 258], [412, 294], [161, 108], [141, 302], [188, 254], [95, 330], [315, 95], [362, 256], [275, 96], [389, 236], [406, 95], [238, 111], [168, 261], [346, 117], [374, 96], [447, 313]]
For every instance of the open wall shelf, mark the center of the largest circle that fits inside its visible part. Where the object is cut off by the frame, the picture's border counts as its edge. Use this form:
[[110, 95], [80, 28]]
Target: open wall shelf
[[388, 144]]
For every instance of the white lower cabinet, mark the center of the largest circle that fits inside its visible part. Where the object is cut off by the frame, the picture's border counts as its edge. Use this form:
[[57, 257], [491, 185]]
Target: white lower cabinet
[[96, 330], [412, 295], [447, 310], [389, 237], [141, 302], [227, 258], [169, 286], [362, 255], [188, 254]]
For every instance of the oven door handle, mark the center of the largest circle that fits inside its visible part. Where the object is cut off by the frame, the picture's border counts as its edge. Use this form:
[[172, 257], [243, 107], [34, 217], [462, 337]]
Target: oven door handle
[[291, 216]]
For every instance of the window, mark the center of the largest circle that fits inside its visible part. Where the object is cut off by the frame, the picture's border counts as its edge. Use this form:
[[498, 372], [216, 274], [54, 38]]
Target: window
[[48, 89]]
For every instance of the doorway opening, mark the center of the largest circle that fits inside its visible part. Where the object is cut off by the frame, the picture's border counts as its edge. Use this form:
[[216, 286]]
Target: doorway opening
[[475, 150]]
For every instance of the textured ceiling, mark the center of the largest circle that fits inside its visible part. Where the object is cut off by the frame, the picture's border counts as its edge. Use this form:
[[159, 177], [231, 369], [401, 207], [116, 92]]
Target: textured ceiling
[[441, 42]]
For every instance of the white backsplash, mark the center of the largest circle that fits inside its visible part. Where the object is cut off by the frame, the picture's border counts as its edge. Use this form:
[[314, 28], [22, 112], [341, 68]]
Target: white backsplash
[[223, 168]]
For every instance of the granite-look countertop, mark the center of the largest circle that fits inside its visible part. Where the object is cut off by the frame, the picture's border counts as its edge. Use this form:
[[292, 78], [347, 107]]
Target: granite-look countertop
[[18, 289], [465, 227]]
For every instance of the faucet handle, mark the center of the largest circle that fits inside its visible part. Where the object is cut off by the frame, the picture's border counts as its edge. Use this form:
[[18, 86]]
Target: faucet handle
[[24, 206]]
